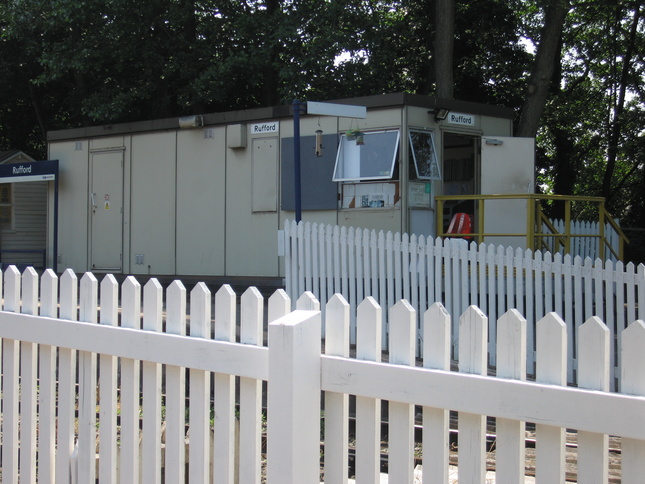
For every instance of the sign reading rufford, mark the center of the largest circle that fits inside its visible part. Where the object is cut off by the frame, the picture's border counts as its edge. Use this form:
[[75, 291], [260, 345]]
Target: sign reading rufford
[[461, 119], [265, 128], [29, 171]]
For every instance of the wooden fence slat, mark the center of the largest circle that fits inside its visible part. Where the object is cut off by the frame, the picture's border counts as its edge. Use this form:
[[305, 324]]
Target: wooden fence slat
[[473, 330], [551, 339], [322, 254], [151, 387], [641, 292], [336, 418], [401, 415], [511, 363], [108, 409], [436, 433], [223, 457], [279, 305], [28, 379], [10, 383], [300, 281], [368, 410], [633, 383], [199, 413], [129, 449], [621, 323], [593, 373], [175, 457], [251, 332], [315, 260], [47, 383], [529, 310], [308, 267], [351, 293], [630, 283], [87, 367]]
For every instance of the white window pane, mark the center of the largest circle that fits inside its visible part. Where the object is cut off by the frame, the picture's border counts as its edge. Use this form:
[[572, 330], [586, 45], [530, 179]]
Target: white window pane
[[372, 160], [425, 155]]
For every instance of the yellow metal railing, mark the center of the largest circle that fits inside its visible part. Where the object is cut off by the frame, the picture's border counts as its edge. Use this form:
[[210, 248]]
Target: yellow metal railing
[[539, 229]]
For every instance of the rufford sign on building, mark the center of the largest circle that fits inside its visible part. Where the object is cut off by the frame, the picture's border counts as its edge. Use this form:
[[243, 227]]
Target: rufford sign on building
[[210, 198]]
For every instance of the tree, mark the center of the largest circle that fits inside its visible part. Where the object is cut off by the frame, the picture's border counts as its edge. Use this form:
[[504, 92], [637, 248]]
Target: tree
[[548, 54]]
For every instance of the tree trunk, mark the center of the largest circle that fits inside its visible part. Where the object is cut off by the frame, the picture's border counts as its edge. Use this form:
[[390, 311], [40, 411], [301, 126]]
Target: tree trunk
[[616, 127], [547, 54], [443, 49]]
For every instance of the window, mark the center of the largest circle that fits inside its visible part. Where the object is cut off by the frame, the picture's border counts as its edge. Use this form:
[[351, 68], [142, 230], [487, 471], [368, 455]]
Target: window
[[424, 155], [5, 205], [374, 159]]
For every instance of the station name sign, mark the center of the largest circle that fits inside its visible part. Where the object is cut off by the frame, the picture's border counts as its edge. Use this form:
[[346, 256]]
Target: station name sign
[[265, 128], [461, 119], [29, 171]]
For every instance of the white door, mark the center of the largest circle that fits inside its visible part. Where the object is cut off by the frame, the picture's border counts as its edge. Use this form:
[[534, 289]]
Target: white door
[[106, 208], [507, 167]]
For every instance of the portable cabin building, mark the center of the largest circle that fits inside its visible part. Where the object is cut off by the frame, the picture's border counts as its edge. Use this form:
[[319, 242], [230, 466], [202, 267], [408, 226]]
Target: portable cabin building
[[207, 195]]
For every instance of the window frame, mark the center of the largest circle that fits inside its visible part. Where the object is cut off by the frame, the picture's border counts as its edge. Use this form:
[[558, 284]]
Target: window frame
[[341, 150], [434, 152], [7, 224]]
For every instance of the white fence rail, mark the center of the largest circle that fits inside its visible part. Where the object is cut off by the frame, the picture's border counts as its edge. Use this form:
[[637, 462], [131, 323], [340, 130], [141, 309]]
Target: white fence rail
[[58, 371], [358, 263]]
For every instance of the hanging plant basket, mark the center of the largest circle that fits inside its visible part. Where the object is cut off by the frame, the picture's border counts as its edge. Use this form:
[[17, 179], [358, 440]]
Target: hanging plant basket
[[354, 134]]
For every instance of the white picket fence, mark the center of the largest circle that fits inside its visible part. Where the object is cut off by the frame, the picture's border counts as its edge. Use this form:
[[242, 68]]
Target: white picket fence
[[584, 240], [358, 263], [68, 415]]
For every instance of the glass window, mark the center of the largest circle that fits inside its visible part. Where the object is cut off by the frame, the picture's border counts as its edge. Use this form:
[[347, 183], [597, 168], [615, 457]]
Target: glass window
[[424, 155], [367, 156], [5, 204]]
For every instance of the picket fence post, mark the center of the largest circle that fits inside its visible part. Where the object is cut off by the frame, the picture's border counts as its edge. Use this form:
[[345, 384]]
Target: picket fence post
[[200, 386], [436, 433], [129, 450], [47, 404], [368, 410], [293, 446], [593, 373], [633, 381], [175, 470], [224, 392], [251, 332], [28, 378], [10, 382], [336, 404], [401, 415], [551, 340], [108, 386], [473, 331], [511, 363]]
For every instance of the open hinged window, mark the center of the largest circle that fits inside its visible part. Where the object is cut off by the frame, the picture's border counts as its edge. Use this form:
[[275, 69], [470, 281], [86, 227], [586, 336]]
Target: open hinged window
[[367, 156], [424, 155]]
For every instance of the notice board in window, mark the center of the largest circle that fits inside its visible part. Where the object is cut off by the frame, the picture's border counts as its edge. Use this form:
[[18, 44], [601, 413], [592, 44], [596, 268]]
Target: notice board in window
[[318, 191]]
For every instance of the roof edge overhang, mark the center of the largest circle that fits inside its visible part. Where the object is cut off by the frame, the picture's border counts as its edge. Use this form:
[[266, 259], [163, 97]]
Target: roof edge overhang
[[381, 101]]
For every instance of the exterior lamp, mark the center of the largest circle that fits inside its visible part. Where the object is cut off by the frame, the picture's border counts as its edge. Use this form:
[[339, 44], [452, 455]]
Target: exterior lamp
[[191, 121], [440, 114]]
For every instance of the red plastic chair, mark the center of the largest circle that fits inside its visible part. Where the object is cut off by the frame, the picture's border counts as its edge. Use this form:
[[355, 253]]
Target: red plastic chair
[[461, 223]]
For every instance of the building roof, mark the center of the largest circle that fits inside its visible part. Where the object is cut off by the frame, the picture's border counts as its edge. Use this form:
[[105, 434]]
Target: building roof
[[284, 111], [12, 156]]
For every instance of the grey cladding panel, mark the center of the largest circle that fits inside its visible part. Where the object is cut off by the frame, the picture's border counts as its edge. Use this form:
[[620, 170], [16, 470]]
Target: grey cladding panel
[[317, 189]]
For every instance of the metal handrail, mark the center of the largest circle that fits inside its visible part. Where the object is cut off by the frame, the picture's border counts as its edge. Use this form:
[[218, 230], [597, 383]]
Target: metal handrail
[[535, 220]]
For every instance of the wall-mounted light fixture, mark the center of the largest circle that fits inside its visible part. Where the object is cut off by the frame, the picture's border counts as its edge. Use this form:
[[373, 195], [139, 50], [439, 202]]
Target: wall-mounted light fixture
[[440, 114], [319, 134], [191, 121]]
